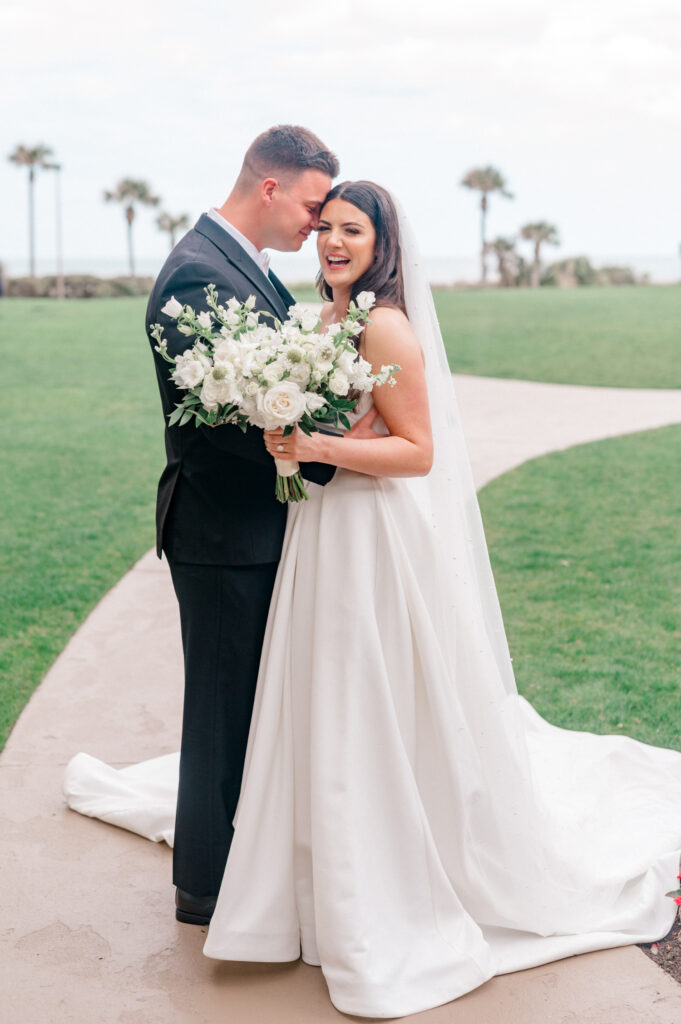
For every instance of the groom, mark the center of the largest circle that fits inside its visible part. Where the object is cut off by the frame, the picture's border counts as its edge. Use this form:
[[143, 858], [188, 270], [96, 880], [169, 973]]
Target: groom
[[217, 517]]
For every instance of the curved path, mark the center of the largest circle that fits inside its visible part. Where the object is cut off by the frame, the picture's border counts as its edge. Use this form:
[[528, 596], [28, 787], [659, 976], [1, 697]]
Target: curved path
[[87, 932]]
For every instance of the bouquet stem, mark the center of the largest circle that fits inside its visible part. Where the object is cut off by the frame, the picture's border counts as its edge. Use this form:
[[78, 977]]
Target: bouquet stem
[[290, 484]]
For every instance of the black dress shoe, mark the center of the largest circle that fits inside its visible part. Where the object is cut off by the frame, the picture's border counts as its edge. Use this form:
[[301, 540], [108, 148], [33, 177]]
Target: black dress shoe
[[193, 909]]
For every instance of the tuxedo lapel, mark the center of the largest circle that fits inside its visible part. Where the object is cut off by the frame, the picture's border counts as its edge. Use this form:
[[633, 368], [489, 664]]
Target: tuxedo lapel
[[236, 255], [282, 290]]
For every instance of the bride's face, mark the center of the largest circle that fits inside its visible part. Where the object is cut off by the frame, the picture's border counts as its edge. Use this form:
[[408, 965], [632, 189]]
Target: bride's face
[[345, 243]]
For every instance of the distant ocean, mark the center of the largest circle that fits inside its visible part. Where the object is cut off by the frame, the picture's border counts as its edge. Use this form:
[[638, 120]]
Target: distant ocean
[[295, 269]]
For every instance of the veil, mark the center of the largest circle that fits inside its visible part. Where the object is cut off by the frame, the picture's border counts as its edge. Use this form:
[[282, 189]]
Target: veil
[[447, 494]]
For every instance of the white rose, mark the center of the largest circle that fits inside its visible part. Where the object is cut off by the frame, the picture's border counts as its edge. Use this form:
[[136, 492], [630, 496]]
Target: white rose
[[273, 372], [339, 383], [172, 307], [313, 401], [218, 389], [300, 373], [205, 318], [365, 300], [282, 404]]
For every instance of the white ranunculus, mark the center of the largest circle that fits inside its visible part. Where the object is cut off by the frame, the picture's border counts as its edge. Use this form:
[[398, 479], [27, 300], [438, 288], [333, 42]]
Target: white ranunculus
[[172, 307], [339, 383], [251, 388], [205, 318], [300, 373], [218, 389], [313, 401], [365, 300], [282, 404], [273, 372], [189, 371]]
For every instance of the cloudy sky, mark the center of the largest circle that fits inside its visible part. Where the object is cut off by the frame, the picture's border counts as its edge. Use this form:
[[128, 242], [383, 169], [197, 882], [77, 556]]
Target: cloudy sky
[[578, 104]]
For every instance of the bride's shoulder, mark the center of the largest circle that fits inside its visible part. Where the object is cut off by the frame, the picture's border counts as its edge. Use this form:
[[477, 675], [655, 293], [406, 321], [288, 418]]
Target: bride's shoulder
[[389, 335]]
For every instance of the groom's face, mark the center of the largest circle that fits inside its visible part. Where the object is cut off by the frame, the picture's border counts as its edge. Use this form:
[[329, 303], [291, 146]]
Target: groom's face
[[294, 209]]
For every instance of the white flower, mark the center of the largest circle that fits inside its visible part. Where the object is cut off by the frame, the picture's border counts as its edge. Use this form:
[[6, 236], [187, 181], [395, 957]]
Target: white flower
[[273, 372], [250, 302], [300, 373], [339, 383], [334, 329], [205, 318], [282, 404], [309, 320], [365, 300], [233, 304], [189, 371], [185, 329], [218, 389], [346, 361], [226, 351], [251, 388], [313, 401], [172, 307]]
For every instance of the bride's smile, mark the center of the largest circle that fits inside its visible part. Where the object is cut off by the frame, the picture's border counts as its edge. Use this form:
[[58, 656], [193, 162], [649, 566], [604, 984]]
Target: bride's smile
[[346, 241]]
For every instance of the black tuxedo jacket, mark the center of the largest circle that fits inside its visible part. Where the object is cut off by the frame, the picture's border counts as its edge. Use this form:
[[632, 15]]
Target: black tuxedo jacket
[[216, 503]]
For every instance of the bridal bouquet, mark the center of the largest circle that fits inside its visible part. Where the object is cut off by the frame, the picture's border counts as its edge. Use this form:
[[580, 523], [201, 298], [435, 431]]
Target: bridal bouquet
[[245, 372]]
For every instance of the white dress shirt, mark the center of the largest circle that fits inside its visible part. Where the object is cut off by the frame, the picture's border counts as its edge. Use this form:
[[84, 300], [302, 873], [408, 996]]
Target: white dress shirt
[[259, 256]]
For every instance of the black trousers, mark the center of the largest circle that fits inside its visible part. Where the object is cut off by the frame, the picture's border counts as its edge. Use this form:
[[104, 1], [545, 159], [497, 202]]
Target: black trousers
[[223, 613]]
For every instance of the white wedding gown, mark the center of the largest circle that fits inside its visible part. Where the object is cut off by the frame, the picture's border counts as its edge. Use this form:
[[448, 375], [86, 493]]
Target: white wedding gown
[[406, 822]]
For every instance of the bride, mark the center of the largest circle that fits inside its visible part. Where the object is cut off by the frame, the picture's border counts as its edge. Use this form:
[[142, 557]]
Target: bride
[[406, 820]]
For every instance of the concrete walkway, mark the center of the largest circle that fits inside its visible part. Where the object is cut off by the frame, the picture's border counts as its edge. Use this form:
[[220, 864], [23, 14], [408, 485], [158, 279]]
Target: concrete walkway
[[87, 932]]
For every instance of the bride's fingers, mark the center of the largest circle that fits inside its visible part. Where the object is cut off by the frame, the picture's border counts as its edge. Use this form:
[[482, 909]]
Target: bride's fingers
[[368, 418]]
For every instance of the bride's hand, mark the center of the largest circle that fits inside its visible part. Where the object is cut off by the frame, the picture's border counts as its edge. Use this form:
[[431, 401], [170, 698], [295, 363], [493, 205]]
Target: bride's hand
[[297, 447]]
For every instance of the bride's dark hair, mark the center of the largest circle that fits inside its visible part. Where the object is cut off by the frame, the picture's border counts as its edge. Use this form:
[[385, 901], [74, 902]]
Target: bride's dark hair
[[384, 276]]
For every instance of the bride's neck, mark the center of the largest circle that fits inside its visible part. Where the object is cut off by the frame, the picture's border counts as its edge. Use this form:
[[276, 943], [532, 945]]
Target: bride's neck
[[341, 301]]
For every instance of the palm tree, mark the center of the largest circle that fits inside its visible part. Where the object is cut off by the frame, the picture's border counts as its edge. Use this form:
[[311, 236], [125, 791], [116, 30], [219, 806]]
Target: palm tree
[[130, 191], [539, 232], [26, 156], [507, 259], [166, 222], [485, 180]]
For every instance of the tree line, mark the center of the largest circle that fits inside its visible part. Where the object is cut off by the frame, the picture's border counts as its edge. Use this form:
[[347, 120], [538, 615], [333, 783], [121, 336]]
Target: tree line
[[512, 268], [129, 192]]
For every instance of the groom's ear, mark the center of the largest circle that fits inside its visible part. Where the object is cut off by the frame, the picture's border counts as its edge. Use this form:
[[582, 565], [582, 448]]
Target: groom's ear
[[267, 189]]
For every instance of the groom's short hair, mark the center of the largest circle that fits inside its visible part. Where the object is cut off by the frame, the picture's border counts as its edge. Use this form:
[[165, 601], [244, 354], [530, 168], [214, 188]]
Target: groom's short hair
[[285, 151]]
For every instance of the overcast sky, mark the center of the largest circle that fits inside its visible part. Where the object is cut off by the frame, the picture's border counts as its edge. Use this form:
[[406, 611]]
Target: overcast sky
[[578, 104]]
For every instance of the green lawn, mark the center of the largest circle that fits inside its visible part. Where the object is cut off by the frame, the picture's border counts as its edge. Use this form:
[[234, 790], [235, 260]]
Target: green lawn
[[594, 639], [626, 337], [585, 550], [80, 458]]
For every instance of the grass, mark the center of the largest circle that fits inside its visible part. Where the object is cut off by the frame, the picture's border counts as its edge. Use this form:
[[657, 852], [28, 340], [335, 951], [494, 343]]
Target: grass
[[585, 550], [80, 459], [624, 337], [594, 639]]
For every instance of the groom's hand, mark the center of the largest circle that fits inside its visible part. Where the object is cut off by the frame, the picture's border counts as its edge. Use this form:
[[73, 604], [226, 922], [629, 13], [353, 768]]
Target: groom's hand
[[363, 430]]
